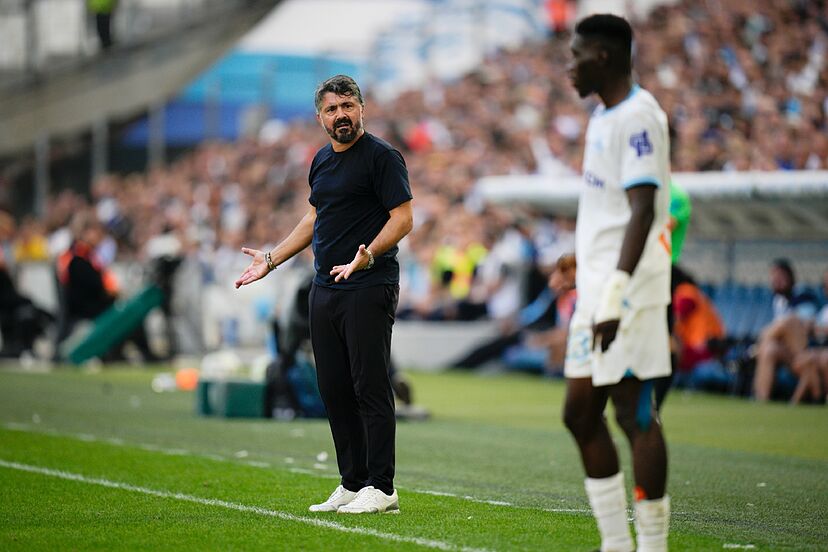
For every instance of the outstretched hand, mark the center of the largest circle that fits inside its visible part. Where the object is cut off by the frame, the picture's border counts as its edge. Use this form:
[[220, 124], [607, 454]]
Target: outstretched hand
[[342, 272], [604, 333], [256, 270]]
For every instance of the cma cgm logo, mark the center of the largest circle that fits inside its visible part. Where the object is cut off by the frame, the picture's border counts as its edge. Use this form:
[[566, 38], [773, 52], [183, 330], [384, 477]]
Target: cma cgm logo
[[593, 180], [641, 143]]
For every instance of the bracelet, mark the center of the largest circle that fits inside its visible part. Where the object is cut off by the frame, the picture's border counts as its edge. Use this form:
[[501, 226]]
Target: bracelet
[[370, 260], [270, 265]]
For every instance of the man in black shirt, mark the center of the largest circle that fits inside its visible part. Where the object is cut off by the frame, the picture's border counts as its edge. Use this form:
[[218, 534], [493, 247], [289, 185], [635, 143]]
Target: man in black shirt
[[360, 207]]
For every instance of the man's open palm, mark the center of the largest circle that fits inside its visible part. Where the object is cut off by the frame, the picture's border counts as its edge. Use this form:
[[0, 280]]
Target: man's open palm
[[256, 270], [342, 272]]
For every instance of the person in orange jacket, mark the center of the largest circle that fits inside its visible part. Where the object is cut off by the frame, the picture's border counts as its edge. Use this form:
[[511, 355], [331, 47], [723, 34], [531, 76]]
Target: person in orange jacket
[[87, 287]]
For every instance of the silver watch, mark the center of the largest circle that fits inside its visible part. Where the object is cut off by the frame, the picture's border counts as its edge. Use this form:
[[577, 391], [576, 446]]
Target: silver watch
[[370, 259]]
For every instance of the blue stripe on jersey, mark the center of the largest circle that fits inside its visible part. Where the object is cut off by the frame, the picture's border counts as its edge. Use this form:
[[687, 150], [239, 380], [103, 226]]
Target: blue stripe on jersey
[[642, 181]]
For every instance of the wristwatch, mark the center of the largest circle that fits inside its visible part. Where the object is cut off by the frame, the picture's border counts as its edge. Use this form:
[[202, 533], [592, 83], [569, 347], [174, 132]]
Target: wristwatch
[[370, 259]]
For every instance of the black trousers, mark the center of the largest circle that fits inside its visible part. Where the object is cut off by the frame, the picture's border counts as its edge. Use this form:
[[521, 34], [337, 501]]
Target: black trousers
[[103, 23], [351, 337]]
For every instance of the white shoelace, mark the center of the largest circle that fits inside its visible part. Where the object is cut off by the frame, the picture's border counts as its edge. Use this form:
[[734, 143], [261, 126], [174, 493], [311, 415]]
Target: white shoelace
[[338, 492], [367, 497]]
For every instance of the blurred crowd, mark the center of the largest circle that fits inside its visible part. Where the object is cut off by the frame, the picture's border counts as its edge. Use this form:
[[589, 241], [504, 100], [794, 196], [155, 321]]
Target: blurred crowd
[[743, 82], [757, 101]]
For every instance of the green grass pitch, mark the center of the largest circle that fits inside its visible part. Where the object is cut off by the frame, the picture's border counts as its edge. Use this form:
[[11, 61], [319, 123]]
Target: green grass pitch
[[99, 461]]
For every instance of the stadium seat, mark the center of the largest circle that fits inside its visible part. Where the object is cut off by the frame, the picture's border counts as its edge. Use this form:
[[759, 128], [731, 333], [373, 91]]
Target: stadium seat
[[725, 301], [763, 310], [748, 307], [709, 289]]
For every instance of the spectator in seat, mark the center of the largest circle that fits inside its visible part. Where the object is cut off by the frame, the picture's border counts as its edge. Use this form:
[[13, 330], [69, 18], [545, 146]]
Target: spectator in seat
[[21, 321], [552, 341], [787, 334], [698, 327], [30, 244], [811, 365], [537, 339]]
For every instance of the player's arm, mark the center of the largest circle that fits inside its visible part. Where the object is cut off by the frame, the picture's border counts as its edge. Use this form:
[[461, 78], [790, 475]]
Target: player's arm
[[400, 222], [644, 143], [642, 207], [608, 316], [299, 238]]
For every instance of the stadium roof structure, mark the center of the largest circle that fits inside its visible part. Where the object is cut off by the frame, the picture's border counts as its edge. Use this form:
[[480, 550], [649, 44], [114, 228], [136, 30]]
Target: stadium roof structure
[[727, 206], [122, 82]]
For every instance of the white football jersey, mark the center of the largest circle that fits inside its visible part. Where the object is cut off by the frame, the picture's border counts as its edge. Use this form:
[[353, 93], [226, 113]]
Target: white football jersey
[[626, 146]]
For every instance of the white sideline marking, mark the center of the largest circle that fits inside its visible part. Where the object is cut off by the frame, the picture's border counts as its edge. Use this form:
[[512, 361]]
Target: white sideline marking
[[176, 452], [17, 427], [213, 457], [504, 503], [234, 506], [316, 473]]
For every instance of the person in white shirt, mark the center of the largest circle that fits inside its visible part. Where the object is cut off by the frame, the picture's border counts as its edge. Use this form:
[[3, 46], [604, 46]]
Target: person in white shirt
[[618, 339]]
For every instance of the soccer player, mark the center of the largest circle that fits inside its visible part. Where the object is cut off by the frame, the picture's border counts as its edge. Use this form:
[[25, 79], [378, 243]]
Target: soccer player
[[359, 195], [680, 210], [618, 340]]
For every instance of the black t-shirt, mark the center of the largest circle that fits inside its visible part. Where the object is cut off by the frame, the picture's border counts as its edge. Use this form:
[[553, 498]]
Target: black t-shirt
[[353, 191], [84, 293]]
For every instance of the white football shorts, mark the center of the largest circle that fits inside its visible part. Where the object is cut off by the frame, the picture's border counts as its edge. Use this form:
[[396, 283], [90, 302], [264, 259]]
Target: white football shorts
[[642, 347]]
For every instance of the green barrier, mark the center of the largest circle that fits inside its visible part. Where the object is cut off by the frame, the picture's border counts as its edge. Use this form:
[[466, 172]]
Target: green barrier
[[115, 324], [231, 398], [203, 406]]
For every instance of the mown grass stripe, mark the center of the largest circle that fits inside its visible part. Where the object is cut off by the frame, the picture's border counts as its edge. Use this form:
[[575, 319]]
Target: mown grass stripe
[[317, 472], [428, 543], [503, 502]]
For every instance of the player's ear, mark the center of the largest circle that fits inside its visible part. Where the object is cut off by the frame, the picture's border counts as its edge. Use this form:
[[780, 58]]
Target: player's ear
[[603, 56]]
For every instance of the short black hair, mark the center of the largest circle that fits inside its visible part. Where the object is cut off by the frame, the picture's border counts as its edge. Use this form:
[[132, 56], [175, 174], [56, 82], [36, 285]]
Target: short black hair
[[341, 85], [785, 266], [614, 33]]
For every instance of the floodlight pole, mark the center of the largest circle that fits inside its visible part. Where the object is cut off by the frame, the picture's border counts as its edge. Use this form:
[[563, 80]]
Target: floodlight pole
[[30, 53], [157, 135], [42, 153], [212, 110], [269, 77], [100, 150]]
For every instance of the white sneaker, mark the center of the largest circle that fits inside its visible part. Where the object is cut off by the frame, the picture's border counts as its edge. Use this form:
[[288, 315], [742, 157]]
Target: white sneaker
[[340, 497], [372, 501]]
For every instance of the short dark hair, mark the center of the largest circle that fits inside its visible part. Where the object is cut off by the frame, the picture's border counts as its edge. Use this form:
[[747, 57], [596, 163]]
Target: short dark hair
[[82, 221], [341, 85], [614, 33], [785, 266]]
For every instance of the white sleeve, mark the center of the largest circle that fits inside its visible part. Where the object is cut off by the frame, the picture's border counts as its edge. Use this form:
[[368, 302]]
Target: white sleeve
[[643, 144]]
